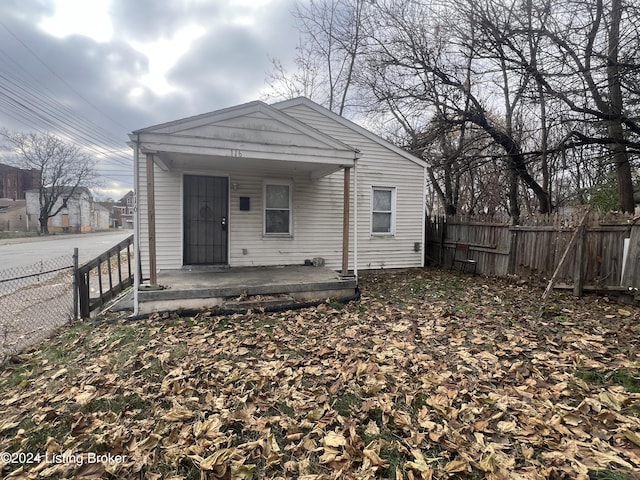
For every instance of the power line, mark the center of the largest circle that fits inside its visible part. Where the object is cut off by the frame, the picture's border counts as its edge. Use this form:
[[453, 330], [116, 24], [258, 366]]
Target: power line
[[55, 105], [28, 101], [38, 112], [52, 107], [59, 77]]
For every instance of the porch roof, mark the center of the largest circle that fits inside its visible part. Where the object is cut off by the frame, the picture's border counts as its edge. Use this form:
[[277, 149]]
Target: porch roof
[[250, 136]]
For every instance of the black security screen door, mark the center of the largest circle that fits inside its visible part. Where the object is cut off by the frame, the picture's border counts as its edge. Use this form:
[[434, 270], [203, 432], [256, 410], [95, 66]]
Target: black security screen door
[[205, 220]]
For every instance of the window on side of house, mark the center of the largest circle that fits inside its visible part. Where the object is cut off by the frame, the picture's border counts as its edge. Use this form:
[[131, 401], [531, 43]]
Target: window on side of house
[[383, 210], [277, 208]]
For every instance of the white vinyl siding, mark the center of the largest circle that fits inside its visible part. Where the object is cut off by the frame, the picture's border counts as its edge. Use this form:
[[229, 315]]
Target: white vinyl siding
[[315, 230], [316, 213], [316, 208], [168, 209], [378, 166]]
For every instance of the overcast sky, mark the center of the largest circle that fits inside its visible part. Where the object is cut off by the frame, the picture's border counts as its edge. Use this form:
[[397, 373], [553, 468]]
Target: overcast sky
[[95, 70]]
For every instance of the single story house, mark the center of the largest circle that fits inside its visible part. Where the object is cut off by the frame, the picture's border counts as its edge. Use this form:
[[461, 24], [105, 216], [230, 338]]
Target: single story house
[[259, 185]]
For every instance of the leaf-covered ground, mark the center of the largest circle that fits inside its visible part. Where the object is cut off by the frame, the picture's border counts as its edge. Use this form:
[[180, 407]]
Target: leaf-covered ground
[[429, 375]]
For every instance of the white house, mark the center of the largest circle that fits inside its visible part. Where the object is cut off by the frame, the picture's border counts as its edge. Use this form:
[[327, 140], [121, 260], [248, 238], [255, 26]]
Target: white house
[[79, 212], [101, 217], [268, 185]]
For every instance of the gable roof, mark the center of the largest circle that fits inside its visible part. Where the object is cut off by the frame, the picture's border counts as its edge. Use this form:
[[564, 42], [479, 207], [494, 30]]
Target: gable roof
[[129, 194], [349, 124], [253, 135], [225, 115]]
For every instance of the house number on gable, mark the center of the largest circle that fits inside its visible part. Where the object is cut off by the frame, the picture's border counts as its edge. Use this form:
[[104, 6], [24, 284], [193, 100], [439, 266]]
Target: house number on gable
[[235, 152]]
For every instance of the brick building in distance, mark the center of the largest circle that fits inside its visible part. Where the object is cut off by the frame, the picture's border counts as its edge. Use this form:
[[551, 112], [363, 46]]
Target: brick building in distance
[[14, 181]]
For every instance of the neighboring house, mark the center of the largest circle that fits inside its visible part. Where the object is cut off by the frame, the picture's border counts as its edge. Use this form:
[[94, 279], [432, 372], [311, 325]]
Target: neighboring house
[[14, 181], [13, 215], [101, 217], [78, 213], [114, 213], [264, 185], [125, 205], [121, 212]]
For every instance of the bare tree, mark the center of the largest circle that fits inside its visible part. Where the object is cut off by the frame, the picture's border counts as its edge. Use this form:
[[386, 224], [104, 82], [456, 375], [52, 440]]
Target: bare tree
[[332, 37], [506, 67], [63, 167], [590, 67], [303, 82], [432, 58], [511, 102], [615, 109]]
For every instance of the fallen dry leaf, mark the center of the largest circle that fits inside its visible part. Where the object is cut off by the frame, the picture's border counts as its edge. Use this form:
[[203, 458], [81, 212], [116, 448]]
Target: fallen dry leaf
[[333, 439], [430, 375], [457, 466]]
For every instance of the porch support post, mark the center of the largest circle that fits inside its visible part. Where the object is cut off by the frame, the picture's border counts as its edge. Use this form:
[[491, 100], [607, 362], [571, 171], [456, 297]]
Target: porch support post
[[346, 221], [151, 220]]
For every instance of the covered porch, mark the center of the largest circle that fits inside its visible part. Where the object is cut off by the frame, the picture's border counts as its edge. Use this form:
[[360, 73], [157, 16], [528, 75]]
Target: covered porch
[[245, 186], [240, 288]]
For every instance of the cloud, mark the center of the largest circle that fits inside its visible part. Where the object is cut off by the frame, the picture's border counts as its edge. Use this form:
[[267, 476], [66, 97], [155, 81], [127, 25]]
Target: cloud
[[28, 11], [222, 68], [229, 64], [97, 89], [148, 20], [54, 75]]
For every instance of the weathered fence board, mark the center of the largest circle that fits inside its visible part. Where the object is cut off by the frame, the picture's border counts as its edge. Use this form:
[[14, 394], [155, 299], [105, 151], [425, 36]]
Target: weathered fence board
[[533, 250], [632, 269]]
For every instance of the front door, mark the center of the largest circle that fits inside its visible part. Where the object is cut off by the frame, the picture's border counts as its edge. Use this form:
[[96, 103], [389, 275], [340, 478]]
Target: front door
[[206, 206]]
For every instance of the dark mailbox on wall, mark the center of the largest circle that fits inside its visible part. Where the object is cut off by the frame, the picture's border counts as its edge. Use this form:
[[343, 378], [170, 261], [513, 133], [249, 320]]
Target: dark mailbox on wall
[[244, 203]]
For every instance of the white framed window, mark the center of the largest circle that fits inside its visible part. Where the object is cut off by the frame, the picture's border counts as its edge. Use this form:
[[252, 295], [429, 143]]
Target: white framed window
[[383, 210], [277, 208]]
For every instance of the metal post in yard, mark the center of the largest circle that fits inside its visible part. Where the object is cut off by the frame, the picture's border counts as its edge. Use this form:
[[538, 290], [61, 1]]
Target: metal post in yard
[[75, 283]]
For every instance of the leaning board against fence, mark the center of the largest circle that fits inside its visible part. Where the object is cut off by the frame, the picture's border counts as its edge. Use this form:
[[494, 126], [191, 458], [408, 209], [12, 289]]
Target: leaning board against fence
[[34, 300], [534, 248]]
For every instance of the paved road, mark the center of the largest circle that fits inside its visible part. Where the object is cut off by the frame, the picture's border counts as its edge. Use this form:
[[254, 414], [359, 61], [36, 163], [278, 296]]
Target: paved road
[[21, 252]]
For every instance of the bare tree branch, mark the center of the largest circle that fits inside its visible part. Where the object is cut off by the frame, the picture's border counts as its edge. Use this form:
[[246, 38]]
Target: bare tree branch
[[63, 167]]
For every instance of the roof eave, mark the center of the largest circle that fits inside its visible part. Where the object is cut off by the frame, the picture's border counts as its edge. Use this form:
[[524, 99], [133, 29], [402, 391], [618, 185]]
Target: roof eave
[[349, 124]]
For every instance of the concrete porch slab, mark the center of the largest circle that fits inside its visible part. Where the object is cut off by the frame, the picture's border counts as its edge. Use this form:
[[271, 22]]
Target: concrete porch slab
[[196, 288]]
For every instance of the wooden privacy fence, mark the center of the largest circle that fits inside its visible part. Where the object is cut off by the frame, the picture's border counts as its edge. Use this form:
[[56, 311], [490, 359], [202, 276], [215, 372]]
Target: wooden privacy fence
[[112, 268], [605, 254]]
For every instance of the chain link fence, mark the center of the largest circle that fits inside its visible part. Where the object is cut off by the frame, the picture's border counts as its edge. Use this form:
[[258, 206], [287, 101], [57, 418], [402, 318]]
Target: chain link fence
[[34, 301]]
